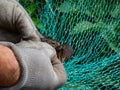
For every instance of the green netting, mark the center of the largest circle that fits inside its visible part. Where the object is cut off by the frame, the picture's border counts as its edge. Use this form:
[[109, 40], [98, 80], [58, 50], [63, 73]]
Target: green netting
[[92, 28]]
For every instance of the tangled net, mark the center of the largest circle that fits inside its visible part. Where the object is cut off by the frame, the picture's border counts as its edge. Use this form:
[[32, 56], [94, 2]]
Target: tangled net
[[92, 28]]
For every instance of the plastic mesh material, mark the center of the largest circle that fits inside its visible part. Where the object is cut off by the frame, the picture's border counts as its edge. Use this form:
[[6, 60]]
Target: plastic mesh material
[[92, 28]]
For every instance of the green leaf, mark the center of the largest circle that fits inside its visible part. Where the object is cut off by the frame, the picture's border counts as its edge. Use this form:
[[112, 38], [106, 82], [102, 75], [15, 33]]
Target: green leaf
[[115, 12], [67, 7], [112, 37], [87, 27], [81, 27], [36, 22], [31, 8]]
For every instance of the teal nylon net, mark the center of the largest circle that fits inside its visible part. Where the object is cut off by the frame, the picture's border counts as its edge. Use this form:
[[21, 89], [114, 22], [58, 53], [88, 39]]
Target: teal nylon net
[[92, 29]]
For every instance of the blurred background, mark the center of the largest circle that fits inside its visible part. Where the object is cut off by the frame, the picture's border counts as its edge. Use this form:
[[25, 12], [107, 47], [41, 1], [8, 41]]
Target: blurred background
[[92, 29]]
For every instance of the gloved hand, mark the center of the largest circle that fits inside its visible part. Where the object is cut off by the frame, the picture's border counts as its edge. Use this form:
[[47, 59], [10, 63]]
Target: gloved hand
[[15, 23], [18, 33]]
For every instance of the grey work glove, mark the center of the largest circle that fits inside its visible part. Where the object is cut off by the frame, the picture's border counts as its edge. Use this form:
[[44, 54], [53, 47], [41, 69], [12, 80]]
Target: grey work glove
[[40, 67], [15, 23]]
